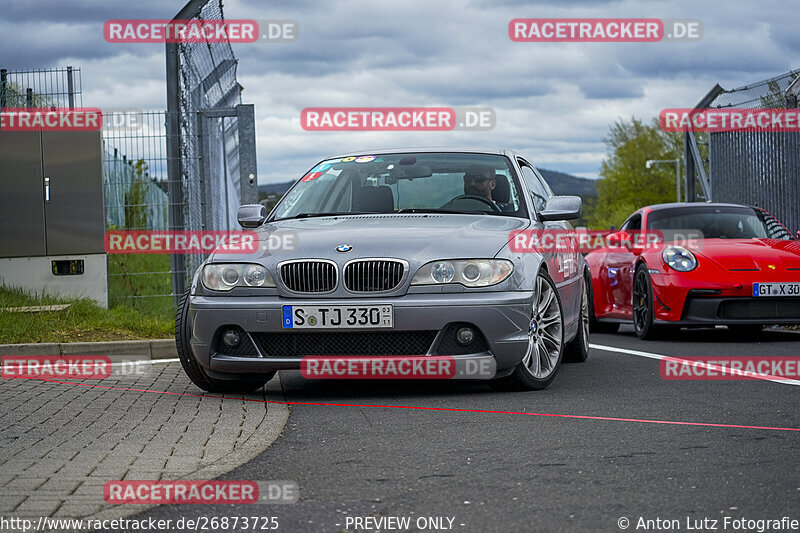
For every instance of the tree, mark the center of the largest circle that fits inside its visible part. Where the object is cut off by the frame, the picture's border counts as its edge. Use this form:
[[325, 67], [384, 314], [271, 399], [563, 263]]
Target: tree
[[16, 96], [626, 184], [136, 198]]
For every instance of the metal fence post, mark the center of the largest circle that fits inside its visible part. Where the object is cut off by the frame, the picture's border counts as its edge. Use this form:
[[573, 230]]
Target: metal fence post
[[689, 180], [70, 88], [792, 164], [248, 174], [177, 262], [3, 83], [204, 166], [174, 166]]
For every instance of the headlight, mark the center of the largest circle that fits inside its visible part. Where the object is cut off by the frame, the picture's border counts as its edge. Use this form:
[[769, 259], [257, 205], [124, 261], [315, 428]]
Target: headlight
[[679, 258], [225, 276], [468, 272]]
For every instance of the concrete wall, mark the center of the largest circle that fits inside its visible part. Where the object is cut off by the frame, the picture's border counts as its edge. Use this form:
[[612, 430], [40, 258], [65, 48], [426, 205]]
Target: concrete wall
[[34, 274]]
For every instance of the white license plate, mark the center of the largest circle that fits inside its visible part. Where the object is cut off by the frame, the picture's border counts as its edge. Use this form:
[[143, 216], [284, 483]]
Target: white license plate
[[338, 316], [776, 289]]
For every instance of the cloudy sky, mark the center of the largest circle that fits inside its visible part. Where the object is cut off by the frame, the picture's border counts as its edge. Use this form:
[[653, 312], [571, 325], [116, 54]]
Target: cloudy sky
[[554, 101]]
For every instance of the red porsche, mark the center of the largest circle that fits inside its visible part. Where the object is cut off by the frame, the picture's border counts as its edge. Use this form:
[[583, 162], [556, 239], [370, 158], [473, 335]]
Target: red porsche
[[698, 264]]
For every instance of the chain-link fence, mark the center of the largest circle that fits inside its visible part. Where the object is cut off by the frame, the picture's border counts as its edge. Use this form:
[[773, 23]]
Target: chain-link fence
[[208, 81], [211, 137], [756, 168], [41, 88], [135, 170]]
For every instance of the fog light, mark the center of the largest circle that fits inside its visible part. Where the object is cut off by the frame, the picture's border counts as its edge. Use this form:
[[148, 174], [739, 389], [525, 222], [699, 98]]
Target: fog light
[[465, 336], [232, 337]]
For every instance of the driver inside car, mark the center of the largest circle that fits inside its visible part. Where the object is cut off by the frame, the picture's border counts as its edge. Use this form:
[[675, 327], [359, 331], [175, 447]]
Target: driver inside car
[[480, 180]]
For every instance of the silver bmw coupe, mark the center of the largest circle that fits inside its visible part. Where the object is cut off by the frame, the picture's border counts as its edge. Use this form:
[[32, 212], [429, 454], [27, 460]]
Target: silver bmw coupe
[[401, 253]]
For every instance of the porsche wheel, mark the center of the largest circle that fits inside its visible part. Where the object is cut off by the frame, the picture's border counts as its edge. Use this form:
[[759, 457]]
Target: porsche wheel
[[545, 341], [195, 372], [642, 306]]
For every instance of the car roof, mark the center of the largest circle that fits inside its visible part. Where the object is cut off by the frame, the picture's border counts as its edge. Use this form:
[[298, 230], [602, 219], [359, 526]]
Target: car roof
[[431, 149], [659, 207]]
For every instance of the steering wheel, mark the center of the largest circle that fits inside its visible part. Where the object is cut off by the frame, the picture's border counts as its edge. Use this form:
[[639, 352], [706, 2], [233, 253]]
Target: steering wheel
[[473, 197]]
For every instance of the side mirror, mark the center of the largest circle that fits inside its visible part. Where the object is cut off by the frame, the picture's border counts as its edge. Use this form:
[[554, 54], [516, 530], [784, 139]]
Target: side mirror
[[251, 215], [562, 208]]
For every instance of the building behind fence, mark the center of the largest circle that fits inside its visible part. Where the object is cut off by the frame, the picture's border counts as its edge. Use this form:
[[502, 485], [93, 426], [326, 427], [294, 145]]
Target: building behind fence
[[756, 168]]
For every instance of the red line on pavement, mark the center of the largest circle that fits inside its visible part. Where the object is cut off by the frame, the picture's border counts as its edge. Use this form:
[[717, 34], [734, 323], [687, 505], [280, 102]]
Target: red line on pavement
[[549, 415]]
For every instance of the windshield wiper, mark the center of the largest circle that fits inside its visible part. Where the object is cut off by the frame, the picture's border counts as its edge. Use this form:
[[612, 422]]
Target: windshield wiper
[[445, 211], [329, 214]]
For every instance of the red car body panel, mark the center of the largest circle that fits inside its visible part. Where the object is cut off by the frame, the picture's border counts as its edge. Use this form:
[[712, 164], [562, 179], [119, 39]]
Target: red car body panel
[[726, 270]]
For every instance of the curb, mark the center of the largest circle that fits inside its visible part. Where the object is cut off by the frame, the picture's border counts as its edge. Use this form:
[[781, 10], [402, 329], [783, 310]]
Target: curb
[[147, 349]]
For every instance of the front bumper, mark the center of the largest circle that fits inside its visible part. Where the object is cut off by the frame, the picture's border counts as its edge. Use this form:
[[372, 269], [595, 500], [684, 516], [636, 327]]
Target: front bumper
[[681, 300], [422, 321]]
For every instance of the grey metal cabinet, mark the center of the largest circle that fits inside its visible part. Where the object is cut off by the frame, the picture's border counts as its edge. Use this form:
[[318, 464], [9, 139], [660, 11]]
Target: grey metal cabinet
[[22, 224], [74, 215], [51, 193]]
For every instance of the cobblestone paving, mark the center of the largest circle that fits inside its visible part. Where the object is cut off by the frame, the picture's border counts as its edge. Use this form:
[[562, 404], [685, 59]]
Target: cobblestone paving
[[60, 443]]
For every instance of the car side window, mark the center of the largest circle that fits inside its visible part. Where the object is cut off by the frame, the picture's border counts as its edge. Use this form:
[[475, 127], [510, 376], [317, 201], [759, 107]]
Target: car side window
[[538, 193], [774, 227], [633, 224]]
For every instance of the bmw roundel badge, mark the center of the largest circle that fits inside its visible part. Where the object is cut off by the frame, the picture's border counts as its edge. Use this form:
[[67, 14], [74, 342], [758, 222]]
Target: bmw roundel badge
[[344, 248]]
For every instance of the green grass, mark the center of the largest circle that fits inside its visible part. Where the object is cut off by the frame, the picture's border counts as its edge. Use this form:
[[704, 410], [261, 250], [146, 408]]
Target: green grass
[[130, 285], [84, 321]]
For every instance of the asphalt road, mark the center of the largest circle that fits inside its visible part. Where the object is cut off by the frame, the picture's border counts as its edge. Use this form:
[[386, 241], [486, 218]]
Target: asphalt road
[[518, 472]]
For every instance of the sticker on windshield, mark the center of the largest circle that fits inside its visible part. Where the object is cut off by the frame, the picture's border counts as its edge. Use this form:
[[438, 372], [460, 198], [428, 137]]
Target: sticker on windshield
[[365, 158], [322, 167], [348, 159], [312, 176]]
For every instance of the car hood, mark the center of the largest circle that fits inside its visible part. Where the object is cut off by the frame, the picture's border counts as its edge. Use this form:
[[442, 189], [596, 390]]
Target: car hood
[[742, 255], [405, 236]]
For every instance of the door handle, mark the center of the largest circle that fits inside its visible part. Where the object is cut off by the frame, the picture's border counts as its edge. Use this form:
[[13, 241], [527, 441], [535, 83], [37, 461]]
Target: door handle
[[47, 190]]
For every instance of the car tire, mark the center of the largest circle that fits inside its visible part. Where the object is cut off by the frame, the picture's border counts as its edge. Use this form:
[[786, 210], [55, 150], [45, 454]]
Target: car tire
[[195, 372], [594, 325], [545, 332], [642, 307], [577, 350]]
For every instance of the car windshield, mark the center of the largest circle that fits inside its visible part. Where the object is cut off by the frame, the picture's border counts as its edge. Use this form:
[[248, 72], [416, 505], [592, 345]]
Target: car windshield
[[481, 184], [717, 222]]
